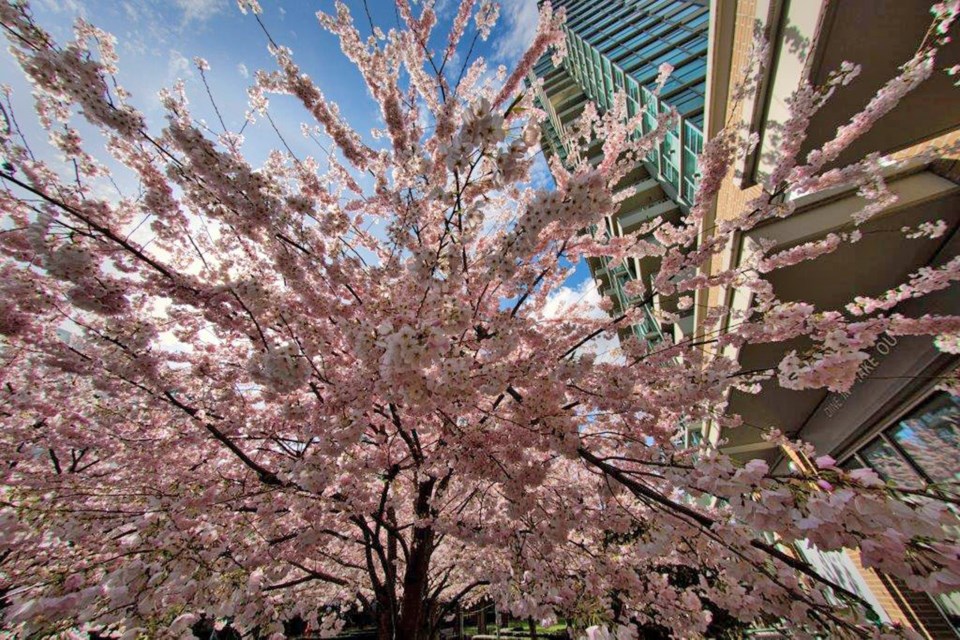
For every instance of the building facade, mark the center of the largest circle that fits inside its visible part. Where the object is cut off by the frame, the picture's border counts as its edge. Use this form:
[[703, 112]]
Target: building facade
[[617, 46], [894, 420]]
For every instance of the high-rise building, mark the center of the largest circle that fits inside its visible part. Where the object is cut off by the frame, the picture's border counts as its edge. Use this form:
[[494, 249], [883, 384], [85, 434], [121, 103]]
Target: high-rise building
[[895, 419], [618, 46]]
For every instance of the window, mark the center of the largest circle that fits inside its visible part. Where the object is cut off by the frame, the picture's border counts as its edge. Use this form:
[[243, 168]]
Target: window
[[650, 107], [931, 437], [883, 458], [670, 156], [633, 97], [607, 82], [692, 146], [852, 463], [922, 447], [919, 448], [687, 103]]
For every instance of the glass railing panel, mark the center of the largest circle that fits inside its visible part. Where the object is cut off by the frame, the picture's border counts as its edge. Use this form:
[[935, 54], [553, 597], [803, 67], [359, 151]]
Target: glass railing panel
[[675, 159]]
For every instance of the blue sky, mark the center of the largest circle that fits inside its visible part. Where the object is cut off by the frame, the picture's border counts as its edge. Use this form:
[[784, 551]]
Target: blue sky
[[158, 39]]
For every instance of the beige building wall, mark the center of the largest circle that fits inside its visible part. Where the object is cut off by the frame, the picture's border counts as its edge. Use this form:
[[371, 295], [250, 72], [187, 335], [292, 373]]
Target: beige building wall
[[733, 25], [732, 198], [819, 25]]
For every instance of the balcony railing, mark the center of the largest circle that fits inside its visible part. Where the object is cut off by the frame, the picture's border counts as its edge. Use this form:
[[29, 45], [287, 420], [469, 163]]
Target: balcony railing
[[648, 328], [674, 160]]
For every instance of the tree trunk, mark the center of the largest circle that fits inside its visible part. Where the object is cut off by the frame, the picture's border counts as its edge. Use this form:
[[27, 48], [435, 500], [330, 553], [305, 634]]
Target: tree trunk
[[413, 623], [384, 624], [533, 628], [415, 615]]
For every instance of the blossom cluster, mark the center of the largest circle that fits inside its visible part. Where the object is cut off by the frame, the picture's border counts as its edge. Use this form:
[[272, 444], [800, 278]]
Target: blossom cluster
[[323, 384]]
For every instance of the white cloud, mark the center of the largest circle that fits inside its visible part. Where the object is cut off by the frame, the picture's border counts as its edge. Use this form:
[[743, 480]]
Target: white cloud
[[583, 301], [199, 10], [454, 63], [131, 12], [242, 70], [442, 7], [519, 19], [148, 33], [540, 176]]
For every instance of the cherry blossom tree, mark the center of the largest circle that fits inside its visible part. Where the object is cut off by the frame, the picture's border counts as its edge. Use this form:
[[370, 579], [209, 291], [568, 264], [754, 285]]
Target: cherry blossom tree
[[330, 383]]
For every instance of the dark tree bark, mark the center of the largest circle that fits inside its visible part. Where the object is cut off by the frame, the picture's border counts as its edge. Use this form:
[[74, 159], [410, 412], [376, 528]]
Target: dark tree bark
[[414, 617]]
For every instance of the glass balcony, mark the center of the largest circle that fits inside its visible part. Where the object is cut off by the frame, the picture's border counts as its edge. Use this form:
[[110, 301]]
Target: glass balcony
[[674, 161], [648, 329]]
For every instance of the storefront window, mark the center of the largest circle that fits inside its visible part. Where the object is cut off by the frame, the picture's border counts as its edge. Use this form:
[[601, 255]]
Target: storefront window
[[885, 460], [931, 437], [922, 447], [851, 464]]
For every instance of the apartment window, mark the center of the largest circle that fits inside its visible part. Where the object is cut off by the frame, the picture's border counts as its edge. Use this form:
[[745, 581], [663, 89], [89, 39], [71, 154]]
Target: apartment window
[[633, 97], [919, 448], [688, 103], [931, 437], [599, 92], [694, 436], [650, 107], [670, 156], [693, 70], [922, 447]]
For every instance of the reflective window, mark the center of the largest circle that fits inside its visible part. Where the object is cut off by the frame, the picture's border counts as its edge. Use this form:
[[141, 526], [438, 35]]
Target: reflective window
[[931, 437], [922, 447], [619, 47], [692, 146], [852, 463], [608, 82], [668, 158], [885, 460]]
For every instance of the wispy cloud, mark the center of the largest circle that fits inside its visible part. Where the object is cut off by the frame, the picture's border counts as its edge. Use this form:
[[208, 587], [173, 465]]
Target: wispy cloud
[[243, 71], [519, 20], [443, 8], [584, 299], [73, 7], [178, 66], [540, 176], [199, 10]]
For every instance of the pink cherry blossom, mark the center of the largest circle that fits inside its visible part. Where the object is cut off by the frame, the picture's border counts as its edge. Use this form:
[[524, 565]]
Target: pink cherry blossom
[[359, 381]]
